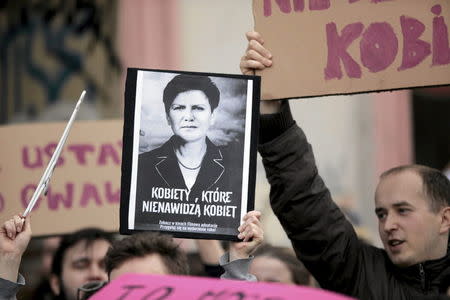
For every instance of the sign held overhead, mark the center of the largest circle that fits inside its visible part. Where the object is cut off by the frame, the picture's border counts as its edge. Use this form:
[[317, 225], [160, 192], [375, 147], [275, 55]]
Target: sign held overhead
[[324, 47]]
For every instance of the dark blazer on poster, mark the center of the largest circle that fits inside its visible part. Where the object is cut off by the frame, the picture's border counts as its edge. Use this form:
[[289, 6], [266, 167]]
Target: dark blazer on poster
[[159, 168]]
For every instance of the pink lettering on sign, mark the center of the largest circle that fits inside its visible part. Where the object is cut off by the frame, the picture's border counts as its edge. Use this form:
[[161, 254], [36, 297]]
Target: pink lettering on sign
[[337, 50], [27, 193], [378, 46], [49, 149], [33, 158], [373, 1], [107, 152], [32, 161], [111, 196], [160, 292], [138, 286], [441, 51], [55, 198], [68, 198], [90, 193], [2, 203], [38, 157], [414, 49], [319, 4], [284, 5], [299, 5], [80, 151]]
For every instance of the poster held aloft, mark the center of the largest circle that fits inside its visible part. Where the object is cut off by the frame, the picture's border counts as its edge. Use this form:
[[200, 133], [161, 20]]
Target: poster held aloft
[[189, 152], [324, 47]]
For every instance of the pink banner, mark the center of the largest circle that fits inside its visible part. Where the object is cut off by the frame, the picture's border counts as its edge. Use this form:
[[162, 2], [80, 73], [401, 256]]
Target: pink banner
[[152, 287]]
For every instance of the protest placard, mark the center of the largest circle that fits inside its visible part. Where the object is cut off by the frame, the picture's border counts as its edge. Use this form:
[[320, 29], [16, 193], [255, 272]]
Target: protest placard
[[324, 47], [85, 187], [133, 286], [189, 152]]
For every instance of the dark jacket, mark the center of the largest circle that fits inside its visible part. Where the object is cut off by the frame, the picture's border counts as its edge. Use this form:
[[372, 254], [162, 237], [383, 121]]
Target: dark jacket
[[323, 238], [218, 172]]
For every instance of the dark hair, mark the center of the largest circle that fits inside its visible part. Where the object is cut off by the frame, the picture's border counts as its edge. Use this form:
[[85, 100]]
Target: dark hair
[[87, 235], [183, 83], [436, 186], [143, 244], [300, 275]]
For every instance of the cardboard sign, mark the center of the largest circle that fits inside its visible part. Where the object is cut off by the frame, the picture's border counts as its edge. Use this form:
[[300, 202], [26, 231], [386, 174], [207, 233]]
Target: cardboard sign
[[85, 186], [150, 287], [189, 163], [324, 47]]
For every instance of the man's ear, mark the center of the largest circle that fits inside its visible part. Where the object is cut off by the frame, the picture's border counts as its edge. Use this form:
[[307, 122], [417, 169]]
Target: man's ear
[[55, 284], [445, 223]]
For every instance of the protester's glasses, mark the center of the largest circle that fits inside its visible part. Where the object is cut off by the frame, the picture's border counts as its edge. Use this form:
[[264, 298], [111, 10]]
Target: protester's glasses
[[90, 288]]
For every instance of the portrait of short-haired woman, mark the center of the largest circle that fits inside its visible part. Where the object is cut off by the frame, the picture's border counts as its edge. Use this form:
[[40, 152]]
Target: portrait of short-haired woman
[[189, 160]]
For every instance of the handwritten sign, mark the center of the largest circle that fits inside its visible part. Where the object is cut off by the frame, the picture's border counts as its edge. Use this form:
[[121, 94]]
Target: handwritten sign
[[150, 287], [324, 47], [85, 186]]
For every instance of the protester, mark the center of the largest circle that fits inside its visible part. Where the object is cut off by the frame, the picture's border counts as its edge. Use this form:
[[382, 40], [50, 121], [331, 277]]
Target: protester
[[48, 246], [209, 252], [15, 234], [269, 263], [78, 259], [412, 206], [278, 264]]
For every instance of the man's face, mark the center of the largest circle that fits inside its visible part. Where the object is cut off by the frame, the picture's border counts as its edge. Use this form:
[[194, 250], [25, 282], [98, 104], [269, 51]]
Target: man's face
[[149, 264], [190, 115], [411, 233], [81, 264]]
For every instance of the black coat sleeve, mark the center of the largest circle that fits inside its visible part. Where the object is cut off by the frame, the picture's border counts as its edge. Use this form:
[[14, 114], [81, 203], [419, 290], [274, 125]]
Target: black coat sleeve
[[321, 235]]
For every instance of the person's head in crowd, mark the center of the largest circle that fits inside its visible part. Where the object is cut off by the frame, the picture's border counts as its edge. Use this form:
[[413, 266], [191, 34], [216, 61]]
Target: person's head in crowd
[[446, 170], [146, 253], [49, 247], [79, 259], [278, 264], [190, 102], [412, 204]]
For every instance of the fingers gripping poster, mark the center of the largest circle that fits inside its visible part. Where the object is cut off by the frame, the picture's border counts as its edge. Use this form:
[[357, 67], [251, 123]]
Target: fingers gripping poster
[[188, 165]]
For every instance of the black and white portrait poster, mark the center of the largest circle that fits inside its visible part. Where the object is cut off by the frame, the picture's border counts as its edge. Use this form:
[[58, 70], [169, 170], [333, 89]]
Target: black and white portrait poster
[[189, 152]]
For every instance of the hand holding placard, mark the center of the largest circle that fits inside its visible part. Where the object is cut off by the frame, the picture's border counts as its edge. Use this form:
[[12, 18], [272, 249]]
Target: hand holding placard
[[251, 234]]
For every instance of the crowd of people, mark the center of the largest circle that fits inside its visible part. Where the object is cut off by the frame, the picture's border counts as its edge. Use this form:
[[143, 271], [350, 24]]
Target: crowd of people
[[412, 204]]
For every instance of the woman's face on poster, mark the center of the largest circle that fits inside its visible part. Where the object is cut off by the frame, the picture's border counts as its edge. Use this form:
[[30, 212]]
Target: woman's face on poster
[[190, 115]]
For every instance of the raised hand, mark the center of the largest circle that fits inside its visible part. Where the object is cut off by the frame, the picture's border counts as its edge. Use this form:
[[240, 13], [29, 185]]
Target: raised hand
[[256, 56], [252, 235], [15, 234]]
